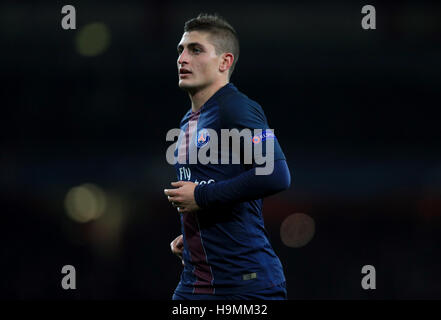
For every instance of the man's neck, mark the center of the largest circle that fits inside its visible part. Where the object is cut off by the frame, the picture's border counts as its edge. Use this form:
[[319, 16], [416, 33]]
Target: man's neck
[[200, 97]]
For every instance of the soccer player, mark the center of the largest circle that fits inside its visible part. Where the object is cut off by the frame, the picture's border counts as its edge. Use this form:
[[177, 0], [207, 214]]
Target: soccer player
[[224, 246]]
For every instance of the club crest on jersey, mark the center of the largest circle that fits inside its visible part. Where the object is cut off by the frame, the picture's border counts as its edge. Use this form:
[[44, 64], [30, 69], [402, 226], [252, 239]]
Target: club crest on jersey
[[266, 134], [202, 138]]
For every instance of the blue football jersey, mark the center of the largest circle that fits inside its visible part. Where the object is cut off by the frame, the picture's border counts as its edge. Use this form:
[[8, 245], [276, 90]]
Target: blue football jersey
[[226, 248]]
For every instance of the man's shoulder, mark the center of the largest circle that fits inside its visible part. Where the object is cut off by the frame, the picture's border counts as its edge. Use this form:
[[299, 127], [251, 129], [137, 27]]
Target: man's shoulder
[[237, 109], [237, 102]]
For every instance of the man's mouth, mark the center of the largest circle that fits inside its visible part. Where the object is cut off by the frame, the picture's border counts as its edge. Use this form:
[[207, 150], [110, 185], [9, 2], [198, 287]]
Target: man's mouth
[[184, 71]]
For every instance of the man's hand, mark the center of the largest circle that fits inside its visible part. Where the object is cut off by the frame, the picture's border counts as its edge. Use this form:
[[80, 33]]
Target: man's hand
[[183, 196], [177, 246]]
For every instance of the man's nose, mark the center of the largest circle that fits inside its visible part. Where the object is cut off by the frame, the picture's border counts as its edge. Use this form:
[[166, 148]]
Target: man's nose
[[182, 58]]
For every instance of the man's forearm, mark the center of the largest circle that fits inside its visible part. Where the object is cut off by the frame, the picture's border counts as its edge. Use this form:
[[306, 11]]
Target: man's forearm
[[244, 187]]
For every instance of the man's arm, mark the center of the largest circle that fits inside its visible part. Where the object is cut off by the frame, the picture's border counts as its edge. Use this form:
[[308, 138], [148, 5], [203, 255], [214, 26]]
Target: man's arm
[[240, 113], [244, 187], [189, 196]]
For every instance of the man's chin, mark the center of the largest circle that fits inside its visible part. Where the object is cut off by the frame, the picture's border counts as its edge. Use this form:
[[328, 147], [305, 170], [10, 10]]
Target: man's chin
[[187, 86]]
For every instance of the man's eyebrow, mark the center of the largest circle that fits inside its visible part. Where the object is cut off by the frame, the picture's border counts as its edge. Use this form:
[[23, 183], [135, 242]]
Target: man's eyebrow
[[191, 44]]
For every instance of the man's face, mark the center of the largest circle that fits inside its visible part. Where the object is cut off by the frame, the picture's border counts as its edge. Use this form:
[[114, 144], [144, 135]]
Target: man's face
[[198, 64]]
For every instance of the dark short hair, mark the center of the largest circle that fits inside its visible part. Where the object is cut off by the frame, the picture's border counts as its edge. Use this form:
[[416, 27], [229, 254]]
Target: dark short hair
[[222, 34]]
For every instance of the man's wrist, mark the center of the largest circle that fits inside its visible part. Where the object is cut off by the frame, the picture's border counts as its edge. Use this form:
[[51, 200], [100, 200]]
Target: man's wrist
[[199, 196]]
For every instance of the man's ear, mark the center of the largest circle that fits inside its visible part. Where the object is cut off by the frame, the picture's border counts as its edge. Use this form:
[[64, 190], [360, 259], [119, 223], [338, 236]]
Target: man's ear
[[226, 62]]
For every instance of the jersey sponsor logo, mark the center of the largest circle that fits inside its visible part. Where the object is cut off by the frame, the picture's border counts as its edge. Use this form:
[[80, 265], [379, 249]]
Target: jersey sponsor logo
[[185, 175], [202, 138]]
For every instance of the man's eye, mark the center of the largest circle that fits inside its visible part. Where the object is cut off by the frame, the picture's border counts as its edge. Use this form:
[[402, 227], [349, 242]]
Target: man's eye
[[196, 50]]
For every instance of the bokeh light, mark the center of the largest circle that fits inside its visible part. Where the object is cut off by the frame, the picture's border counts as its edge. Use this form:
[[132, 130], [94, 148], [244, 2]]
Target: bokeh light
[[297, 230], [93, 39], [85, 203]]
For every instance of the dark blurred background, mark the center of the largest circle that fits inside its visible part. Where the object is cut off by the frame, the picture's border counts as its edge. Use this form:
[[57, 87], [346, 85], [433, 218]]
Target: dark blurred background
[[85, 113]]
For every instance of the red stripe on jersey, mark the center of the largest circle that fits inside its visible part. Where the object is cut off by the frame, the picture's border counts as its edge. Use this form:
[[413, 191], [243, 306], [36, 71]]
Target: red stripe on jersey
[[198, 256]]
